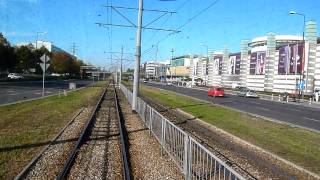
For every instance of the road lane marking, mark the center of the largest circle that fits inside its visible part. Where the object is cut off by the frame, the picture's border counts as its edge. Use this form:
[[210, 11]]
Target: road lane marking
[[262, 108], [311, 119], [13, 94], [298, 110]]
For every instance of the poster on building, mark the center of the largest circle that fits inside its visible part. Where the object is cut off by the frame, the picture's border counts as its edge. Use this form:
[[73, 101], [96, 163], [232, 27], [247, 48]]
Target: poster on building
[[234, 67], [253, 62], [283, 60], [238, 59], [217, 65], [291, 59], [260, 65]]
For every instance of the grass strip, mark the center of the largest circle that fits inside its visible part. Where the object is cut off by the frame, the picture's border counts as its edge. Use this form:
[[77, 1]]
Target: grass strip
[[294, 144], [26, 128]]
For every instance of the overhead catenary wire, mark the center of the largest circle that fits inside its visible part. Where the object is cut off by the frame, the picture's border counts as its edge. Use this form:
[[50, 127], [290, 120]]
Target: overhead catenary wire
[[184, 24]]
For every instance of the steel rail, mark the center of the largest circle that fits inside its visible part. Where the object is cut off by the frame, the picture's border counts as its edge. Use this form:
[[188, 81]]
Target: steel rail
[[33, 162], [124, 140], [68, 164]]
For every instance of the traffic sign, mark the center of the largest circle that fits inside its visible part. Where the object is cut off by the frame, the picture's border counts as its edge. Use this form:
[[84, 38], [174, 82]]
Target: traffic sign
[[301, 85], [44, 66], [44, 58]]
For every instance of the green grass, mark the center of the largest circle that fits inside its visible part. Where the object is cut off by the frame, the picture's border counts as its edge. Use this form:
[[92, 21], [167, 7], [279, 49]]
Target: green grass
[[26, 127], [294, 144]]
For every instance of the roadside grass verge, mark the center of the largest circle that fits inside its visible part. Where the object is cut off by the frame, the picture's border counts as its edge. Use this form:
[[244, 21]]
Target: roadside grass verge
[[25, 128], [294, 144]]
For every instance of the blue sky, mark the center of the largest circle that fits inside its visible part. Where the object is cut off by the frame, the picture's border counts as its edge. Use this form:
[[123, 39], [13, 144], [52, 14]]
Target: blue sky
[[225, 23]]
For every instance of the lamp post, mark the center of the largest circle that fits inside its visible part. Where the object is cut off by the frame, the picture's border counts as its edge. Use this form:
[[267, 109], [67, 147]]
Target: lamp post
[[206, 74], [301, 71], [138, 58], [41, 33]]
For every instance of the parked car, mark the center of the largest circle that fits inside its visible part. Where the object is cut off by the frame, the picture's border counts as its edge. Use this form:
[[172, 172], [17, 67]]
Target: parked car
[[169, 84], [14, 76], [216, 92], [55, 74], [245, 92]]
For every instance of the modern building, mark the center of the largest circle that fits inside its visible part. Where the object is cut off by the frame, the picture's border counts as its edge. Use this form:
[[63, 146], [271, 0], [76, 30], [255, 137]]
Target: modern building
[[199, 69], [155, 70], [180, 67], [48, 45], [272, 63]]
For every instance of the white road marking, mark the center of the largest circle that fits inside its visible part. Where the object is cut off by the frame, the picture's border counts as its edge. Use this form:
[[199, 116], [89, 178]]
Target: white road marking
[[11, 91], [252, 102], [298, 110], [46, 92], [311, 119], [13, 94], [266, 109]]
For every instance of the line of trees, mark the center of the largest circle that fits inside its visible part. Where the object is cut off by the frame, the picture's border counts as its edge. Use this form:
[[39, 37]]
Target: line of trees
[[26, 59]]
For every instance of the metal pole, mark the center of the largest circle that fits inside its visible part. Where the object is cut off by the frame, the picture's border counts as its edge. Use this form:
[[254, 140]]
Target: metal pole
[[302, 70], [138, 56], [120, 77], [43, 74], [37, 41]]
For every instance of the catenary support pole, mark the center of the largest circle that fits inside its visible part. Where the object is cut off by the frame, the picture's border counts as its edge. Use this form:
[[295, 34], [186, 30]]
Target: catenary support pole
[[120, 73], [138, 56]]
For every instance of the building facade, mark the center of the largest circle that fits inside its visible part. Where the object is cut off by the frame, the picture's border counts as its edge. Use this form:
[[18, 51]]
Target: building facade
[[272, 63]]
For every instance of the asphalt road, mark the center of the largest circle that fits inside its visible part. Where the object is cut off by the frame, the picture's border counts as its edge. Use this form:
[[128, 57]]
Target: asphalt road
[[302, 116], [16, 91]]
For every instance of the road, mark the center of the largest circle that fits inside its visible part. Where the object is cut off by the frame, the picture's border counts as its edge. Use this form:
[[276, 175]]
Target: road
[[11, 92], [306, 117]]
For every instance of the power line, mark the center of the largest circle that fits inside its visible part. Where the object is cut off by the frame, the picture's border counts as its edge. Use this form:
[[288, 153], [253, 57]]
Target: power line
[[186, 23], [198, 14]]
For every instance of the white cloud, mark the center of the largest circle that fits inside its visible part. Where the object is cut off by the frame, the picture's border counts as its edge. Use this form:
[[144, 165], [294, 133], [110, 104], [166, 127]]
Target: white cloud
[[21, 34], [4, 3]]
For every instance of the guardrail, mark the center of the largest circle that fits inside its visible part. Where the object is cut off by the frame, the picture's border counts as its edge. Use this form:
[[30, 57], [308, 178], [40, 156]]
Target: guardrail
[[193, 159]]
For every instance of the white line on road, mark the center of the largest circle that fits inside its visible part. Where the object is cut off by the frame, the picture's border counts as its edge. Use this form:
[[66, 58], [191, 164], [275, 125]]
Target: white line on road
[[311, 119], [13, 94], [266, 109], [298, 110]]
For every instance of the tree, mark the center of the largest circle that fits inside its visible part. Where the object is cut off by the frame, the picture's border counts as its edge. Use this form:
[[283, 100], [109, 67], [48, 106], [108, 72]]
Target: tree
[[25, 59], [64, 63], [7, 55]]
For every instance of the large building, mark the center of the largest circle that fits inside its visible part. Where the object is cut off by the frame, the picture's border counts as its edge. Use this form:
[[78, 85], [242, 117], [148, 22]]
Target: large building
[[155, 70], [273, 63], [199, 69], [180, 67], [39, 44]]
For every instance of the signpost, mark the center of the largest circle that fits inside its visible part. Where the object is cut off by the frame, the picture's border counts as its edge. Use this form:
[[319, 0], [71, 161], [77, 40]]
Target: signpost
[[44, 66]]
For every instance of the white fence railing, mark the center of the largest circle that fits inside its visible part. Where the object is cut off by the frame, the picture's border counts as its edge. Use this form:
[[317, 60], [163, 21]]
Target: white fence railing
[[193, 159]]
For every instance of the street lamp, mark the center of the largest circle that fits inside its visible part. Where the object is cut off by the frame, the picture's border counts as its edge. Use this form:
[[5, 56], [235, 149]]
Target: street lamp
[[207, 60], [41, 33], [303, 41]]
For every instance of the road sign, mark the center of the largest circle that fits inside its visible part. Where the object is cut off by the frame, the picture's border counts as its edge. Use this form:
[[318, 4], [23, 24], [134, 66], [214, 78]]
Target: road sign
[[45, 58], [44, 66], [301, 85]]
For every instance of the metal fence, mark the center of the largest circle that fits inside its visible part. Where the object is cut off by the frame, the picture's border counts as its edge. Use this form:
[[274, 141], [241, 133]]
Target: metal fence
[[193, 159]]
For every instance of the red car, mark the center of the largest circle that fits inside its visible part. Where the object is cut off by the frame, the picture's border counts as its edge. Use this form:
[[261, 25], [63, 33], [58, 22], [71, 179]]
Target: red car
[[216, 91]]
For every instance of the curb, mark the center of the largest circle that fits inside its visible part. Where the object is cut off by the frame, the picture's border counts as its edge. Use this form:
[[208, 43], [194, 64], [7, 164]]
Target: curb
[[37, 98], [252, 114], [305, 103]]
